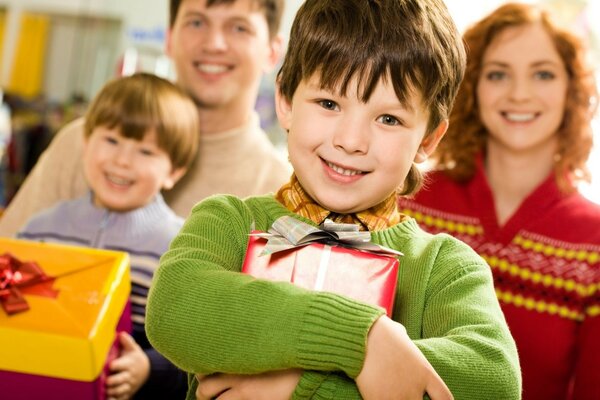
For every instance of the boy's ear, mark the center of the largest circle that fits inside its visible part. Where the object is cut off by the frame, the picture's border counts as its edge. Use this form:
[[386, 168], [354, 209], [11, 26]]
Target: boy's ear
[[173, 177], [283, 108], [430, 142]]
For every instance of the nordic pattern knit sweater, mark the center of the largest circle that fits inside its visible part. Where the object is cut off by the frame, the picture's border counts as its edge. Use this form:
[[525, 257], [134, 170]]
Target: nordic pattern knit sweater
[[546, 266], [145, 234], [207, 317]]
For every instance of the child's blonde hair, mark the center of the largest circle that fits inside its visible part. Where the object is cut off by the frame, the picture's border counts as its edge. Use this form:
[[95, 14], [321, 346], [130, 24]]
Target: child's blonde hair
[[142, 103], [414, 43]]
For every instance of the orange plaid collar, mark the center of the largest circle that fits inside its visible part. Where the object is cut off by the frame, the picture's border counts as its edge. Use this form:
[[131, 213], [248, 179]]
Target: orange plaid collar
[[378, 217]]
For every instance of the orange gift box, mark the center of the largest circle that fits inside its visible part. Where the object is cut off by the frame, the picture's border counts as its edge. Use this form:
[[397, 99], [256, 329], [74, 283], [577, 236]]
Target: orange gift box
[[364, 276], [68, 336]]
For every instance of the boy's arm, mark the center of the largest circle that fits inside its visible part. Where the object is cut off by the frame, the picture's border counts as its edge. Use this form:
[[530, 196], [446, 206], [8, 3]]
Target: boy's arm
[[58, 175], [312, 385], [206, 317], [464, 334]]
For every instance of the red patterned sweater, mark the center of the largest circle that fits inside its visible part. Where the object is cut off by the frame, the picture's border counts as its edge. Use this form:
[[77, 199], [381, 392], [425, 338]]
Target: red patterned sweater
[[546, 266]]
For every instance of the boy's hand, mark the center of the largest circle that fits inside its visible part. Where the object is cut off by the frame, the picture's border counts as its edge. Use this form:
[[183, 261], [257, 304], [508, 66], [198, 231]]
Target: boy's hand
[[395, 368], [129, 371], [276, 385]]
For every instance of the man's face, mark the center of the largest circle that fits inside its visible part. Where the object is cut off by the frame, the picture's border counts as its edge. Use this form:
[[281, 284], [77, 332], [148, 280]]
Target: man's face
[[220, 53]]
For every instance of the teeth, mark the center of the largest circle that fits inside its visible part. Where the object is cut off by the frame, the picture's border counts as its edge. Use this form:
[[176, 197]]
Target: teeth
[[520, 117], [343, 171], [212, 68], [118, 181]]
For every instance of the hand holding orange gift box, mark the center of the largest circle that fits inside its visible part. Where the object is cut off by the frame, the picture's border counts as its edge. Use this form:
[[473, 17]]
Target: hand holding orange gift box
[[337, 258], [59, 347]]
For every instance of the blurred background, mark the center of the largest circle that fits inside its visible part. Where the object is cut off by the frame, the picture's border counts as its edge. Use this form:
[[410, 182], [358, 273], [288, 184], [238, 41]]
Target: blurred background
[[56, 54]]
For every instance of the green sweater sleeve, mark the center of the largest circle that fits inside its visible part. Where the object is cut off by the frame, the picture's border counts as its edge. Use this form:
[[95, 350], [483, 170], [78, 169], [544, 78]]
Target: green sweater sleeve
[[206, 317], [461, 330]]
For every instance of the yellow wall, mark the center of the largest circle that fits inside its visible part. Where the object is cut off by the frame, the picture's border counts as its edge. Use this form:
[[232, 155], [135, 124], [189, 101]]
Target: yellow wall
[[2, 25], [26, 77]]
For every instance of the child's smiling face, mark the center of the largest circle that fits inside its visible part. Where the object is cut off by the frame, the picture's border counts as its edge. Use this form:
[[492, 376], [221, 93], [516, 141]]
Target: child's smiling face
[[126, 173], [350, 155]]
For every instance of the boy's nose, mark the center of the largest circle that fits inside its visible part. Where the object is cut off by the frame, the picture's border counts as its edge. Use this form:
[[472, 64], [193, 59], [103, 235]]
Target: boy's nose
[[123, 155], [352, 137]]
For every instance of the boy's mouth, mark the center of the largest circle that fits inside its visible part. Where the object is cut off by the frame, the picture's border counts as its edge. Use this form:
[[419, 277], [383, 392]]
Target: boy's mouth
[[118, 180], [342, 170]]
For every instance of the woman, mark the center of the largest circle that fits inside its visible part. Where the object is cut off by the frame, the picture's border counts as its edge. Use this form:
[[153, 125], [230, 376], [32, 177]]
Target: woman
[[505, 182]]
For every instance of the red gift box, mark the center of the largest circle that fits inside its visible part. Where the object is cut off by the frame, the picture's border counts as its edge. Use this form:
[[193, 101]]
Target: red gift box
[[361, 275]]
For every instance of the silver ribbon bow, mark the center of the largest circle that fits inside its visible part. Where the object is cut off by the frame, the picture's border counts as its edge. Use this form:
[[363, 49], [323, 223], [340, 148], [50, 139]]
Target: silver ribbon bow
[[288, 232]]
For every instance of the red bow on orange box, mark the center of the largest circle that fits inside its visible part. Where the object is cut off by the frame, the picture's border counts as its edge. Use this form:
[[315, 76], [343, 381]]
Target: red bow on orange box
[[18, 278]]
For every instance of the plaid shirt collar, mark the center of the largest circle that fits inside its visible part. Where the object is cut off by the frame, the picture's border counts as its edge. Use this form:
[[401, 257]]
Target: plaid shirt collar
[[378, 217]]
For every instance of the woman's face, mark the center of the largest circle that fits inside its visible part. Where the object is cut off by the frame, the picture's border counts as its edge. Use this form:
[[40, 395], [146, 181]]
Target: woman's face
[[522, 90]]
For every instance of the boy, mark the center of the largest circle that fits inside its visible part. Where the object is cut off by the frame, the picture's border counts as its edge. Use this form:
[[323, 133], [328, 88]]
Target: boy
[[221, 49], [141, 134], [364, 93]]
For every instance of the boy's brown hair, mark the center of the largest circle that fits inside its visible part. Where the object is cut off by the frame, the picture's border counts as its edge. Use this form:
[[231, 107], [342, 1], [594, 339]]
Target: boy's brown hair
[[273, 10], [142, 103], [412, 42], [467, 136]]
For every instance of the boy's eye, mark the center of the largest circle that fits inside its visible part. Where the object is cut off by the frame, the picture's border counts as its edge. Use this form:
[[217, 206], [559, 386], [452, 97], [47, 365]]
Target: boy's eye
[[544, 75], [146, 152], [495, 75], [111, 140], [328, 104], [389, 120]]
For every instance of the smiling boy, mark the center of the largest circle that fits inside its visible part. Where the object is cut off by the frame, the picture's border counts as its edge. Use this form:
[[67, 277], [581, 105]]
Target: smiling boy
[[364, 93], [135, 146]]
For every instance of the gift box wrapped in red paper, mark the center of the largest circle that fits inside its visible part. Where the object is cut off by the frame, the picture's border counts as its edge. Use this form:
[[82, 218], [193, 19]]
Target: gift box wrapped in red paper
[[336, 258], [60, 309]]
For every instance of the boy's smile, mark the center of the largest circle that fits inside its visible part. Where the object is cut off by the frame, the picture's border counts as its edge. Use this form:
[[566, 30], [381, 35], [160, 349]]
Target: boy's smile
[[125, 173], [351, 155]]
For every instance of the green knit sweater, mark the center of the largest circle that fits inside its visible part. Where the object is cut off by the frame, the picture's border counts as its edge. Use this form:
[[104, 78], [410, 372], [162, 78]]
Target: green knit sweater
[[206, 317]]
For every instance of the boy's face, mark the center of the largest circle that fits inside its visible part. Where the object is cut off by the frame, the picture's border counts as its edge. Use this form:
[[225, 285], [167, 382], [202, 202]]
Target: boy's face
[[220, 53], [124, 173], [349, 155]]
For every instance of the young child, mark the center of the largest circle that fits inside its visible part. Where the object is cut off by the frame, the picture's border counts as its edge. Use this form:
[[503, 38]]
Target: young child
[[364, 93], [141, 134]]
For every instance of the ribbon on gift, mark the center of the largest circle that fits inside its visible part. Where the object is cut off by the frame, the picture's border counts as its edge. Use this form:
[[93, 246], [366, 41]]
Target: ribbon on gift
[[17, 277], [288, 233]]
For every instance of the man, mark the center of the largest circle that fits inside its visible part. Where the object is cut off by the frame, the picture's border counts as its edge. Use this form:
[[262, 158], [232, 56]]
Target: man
[[221, 49]]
